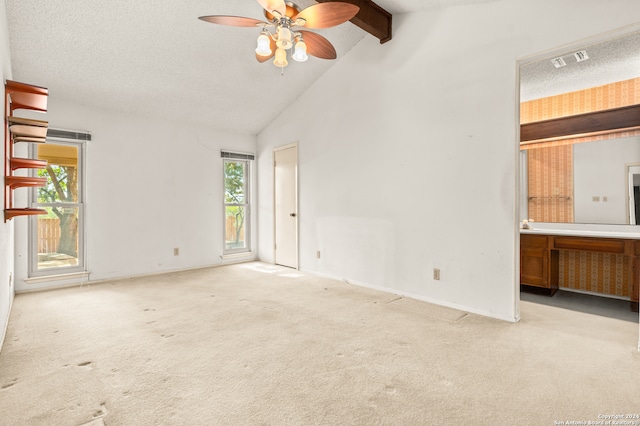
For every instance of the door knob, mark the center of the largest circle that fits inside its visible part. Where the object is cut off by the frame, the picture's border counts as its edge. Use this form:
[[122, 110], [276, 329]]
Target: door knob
[[292, 214]]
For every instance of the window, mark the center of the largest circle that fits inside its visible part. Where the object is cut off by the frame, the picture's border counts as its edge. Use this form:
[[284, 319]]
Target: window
[[56, 239], [236, 202]]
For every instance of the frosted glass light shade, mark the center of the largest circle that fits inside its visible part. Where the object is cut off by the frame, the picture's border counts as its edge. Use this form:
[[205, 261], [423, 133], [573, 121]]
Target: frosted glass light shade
[[281, 58], [300, 54], [264, 45], [284, 38]]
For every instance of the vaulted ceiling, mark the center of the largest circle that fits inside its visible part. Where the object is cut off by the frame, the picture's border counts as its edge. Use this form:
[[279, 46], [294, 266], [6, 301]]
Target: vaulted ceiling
[[154, 57]]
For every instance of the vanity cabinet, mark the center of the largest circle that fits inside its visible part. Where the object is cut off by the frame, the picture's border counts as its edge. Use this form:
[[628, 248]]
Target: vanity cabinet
[[540, 254], [535, 264]]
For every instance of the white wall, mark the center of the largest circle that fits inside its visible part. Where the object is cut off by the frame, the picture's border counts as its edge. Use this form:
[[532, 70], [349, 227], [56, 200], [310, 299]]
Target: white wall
[[6, 228], [152, 185], [599, 170], [408, 152]]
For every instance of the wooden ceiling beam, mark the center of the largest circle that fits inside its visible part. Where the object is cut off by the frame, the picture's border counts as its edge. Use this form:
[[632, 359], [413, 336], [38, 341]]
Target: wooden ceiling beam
[[371, 18]]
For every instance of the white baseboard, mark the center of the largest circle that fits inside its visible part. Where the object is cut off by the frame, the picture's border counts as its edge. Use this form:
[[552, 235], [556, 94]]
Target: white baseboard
[[593, 293], [417, 297], [6, 324], [148, 274]]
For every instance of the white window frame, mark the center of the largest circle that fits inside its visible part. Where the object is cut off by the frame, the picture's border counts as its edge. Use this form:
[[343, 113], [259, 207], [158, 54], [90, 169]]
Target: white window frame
[[33, 225], [247, 160]]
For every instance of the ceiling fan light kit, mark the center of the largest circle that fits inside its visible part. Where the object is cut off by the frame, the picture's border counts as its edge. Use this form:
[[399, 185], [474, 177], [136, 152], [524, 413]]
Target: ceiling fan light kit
[[300, 54], [284, 38], [281, 58], [283, 31], [264, 45]]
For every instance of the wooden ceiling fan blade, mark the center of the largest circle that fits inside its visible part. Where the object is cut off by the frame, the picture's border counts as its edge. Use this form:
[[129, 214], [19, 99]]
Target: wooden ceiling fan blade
[[327, 15], [262, 59], [271, 5], [234, 21], [273, 47], [318, 46]]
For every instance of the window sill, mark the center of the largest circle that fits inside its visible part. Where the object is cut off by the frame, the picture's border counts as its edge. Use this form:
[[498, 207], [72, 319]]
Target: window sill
[[57, 277], [236, 256]]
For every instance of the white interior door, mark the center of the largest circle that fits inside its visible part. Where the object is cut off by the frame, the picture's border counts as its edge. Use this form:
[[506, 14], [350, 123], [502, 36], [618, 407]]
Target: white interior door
[[286, 206]]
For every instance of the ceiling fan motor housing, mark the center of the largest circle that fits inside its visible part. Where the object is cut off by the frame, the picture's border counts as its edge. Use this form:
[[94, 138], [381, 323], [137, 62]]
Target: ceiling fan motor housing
[[291, 11]]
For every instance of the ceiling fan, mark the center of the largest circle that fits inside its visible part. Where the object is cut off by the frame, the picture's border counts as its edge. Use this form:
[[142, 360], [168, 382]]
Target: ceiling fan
[[282, 31]]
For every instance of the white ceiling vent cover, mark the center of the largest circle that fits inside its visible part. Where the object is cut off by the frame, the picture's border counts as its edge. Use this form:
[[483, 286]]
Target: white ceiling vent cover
[[581, 56]]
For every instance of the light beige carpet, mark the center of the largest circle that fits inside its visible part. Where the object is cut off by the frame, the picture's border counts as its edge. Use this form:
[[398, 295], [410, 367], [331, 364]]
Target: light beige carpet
[[255, 344]]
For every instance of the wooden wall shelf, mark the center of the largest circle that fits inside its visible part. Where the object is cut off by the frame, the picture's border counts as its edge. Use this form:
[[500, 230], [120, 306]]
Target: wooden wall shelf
[[27, 121], [28, 131], [11, 213], [24, 181], [18, 129], [28, 139], [26, 96], [27, 163]]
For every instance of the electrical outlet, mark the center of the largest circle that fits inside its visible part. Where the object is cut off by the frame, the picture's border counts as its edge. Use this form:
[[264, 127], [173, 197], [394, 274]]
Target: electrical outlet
[[318, 254], [436, 274], [176, 251]]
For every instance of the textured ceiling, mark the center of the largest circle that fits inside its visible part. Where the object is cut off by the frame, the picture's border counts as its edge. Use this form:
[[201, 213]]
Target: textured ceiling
[[154, 57], [407, 6], [609, 61], [157, 58]]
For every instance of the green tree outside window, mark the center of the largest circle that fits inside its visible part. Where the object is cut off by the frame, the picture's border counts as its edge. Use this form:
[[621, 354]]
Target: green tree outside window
[[235, 199], [62, 186]]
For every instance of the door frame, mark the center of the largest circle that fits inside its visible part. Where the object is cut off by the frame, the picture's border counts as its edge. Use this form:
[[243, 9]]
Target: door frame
[[550, 53], [297, 197], [629, 183]]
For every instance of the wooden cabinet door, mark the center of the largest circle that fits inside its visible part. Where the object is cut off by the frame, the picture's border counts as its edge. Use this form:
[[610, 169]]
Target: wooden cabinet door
[[534, 267], [534, 260]]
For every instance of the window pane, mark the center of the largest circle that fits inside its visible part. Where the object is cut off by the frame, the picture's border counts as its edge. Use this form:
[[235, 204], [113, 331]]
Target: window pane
[[234, 182], [61, 173], [235, 228], [58, 238]]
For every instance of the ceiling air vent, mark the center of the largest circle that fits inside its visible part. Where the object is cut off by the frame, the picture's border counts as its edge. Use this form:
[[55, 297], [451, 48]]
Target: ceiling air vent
[[558, 62], [581, 56]]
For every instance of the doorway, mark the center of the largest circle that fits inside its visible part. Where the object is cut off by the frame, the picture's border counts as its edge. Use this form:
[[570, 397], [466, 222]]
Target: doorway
[[285, 205], [599, 61]]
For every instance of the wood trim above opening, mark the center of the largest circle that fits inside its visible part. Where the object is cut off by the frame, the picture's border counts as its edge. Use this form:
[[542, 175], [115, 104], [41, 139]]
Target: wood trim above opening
[[615, 119]]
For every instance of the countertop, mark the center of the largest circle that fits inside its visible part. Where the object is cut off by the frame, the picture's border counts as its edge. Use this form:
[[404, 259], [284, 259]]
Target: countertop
[[587, 230]]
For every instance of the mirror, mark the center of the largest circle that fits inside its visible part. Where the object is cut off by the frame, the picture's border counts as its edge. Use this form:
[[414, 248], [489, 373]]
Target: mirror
[[591, 177]]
